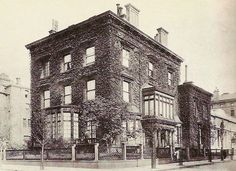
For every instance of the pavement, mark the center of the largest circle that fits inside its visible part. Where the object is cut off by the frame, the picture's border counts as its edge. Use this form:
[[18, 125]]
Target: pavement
[[161, 167]]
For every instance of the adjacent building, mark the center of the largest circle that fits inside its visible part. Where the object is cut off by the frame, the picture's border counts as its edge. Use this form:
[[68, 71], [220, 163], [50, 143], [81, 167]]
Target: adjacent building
[[223, 120], [225, 101], [194, 106], [14, 112], [106, 56]]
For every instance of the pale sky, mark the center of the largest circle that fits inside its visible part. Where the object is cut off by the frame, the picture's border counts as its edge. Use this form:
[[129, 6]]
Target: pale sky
[[203, 32]]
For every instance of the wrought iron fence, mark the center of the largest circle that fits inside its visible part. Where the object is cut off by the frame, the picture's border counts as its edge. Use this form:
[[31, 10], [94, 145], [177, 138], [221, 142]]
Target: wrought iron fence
[[147, 153], [14, 154], [59, 154], [109, 153], [85, 152], [133, 152], [163, 153], [33, 155]]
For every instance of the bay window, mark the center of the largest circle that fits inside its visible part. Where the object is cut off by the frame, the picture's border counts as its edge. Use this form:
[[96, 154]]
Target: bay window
[[159, 104]]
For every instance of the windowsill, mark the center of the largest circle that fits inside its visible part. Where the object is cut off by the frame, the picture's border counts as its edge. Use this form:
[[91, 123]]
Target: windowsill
[[89, 64], [44, 78]]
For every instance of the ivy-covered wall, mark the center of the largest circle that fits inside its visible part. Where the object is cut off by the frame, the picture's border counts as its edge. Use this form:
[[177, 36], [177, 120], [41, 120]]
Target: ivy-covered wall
[[109, 35], [194, 119]]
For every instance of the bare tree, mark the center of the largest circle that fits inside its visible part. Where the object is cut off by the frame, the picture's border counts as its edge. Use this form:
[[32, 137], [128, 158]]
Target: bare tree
[[40, 132]]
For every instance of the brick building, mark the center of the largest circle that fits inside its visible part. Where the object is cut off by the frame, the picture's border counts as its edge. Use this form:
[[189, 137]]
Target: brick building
[[107, 56], [194, 106], [14, 112]]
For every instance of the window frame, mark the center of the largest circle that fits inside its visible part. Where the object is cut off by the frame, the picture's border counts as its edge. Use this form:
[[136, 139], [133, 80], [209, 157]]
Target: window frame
[[45, 69], [163, 105], [67, 63], [91, 129], [75, 128], [125, 58], [46, 99], [67, 131], [67, 95], [88, 56], [170, 78], [90, 90], [150, 69], [126, 92]]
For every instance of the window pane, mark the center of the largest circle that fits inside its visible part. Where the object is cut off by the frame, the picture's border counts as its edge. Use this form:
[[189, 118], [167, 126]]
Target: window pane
[[47, 103], [161, 108], [125, 58], [76, 130], [126, 96], [67, 129], [150, 66], [151, 107], [164, 109], [67, 116], [90, 59], [125, 86], [46, 94], [156, 105], [146, 108], [67, 58], [68, 99], [91, 95], [47, 68], [67, 90], [90, 51], [91, 85]]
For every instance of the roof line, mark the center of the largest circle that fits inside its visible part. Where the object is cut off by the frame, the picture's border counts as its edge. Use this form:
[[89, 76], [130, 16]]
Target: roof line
[[28, 46]]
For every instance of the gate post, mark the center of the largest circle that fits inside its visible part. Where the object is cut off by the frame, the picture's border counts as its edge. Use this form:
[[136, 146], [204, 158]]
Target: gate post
[[4, 153], [96, 151], [141, 151], [188, 153], [124, 151], [73, 152]]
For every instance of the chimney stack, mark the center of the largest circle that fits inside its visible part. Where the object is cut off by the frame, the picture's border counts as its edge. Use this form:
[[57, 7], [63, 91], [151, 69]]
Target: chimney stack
[[132, 14], [216, 94], [162, 36], [119, 11], [54, 27]]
